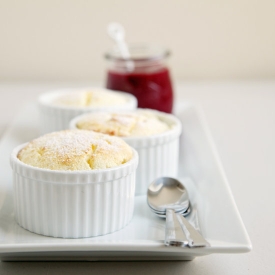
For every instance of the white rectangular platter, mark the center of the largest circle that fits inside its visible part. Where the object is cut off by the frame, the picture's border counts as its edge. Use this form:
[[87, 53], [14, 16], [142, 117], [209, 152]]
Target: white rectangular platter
[[214, 209]]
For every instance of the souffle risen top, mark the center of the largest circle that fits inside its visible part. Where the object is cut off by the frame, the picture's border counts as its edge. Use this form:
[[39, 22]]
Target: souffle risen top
[[76, 150], [124, 124]]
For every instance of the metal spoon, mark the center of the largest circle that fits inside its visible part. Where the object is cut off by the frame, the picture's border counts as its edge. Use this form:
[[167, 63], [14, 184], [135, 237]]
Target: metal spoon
[[117, 33], [183, 213], [167, 197]]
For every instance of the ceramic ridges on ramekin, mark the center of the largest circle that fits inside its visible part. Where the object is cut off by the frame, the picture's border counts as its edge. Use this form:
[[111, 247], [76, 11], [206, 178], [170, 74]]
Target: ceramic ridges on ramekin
[[158, 154], [55, 118], [157, 161], [73, 204]]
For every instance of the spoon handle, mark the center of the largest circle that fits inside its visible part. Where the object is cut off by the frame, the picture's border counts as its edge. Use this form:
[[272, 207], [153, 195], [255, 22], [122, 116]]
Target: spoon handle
[[174, 235], [179, 232], [195, 239]]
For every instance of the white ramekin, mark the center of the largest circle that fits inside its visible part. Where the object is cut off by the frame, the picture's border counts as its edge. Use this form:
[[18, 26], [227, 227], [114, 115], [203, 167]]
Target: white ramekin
[[56, 118], [158, 154], [73, 204]]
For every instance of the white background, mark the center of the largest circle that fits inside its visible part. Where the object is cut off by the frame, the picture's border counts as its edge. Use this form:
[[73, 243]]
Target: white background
[[66, 39]]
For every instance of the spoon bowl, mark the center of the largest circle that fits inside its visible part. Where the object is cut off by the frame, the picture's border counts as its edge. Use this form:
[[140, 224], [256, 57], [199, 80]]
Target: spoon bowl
[[167, 193]]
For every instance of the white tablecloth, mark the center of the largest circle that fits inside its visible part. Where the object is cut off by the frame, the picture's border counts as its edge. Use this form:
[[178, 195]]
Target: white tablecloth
[[241, 116]]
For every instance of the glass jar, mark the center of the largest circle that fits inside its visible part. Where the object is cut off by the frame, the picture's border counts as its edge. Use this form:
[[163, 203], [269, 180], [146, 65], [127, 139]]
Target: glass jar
[[145, 75]]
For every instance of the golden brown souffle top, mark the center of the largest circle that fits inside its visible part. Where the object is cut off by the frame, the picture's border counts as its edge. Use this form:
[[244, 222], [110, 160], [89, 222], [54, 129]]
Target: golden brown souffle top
[[76, 150], [124, 124]]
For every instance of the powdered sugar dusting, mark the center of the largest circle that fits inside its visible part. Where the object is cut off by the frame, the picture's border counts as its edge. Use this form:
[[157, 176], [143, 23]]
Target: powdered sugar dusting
[[71, 149]]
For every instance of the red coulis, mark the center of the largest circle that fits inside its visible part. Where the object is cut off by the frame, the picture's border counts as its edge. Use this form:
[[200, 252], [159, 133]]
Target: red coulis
[[152, 89]]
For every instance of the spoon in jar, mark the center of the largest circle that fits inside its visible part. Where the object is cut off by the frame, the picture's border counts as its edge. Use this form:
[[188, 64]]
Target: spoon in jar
[[117, 33], [169, 198]]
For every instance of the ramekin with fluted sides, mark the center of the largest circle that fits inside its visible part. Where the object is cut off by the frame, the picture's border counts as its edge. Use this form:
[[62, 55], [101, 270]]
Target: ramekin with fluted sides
[[73, 204], [158, 154], [57, 117]]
